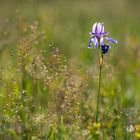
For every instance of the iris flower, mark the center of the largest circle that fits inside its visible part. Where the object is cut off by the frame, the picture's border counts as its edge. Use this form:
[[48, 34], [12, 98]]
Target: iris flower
[[97, 37]]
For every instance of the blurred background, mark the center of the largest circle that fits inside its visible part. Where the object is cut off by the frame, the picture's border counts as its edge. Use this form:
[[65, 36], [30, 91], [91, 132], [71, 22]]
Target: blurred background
[[66, 25]]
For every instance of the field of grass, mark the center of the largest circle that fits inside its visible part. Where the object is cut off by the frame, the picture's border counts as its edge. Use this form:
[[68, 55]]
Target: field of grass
[[49, 78]]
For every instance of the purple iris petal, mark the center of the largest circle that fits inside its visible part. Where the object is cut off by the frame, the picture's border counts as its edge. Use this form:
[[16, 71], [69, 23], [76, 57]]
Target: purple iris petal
[[105, 33], [99, 28], [102, 28], [94, 28], [89, 45], [111, 40], [94, 41]]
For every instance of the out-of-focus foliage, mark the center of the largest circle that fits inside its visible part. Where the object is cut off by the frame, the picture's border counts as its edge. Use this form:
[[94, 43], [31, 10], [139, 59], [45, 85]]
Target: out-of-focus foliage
[[49, 78]]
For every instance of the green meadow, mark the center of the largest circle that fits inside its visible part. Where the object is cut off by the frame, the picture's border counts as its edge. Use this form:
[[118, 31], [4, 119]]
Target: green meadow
[[49, 77]]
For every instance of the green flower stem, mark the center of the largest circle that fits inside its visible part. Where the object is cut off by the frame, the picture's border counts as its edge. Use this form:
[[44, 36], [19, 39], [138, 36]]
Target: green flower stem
[[99, 83]]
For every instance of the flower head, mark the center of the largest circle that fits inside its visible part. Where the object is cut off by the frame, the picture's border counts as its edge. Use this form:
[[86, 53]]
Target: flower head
[[97, 37]]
